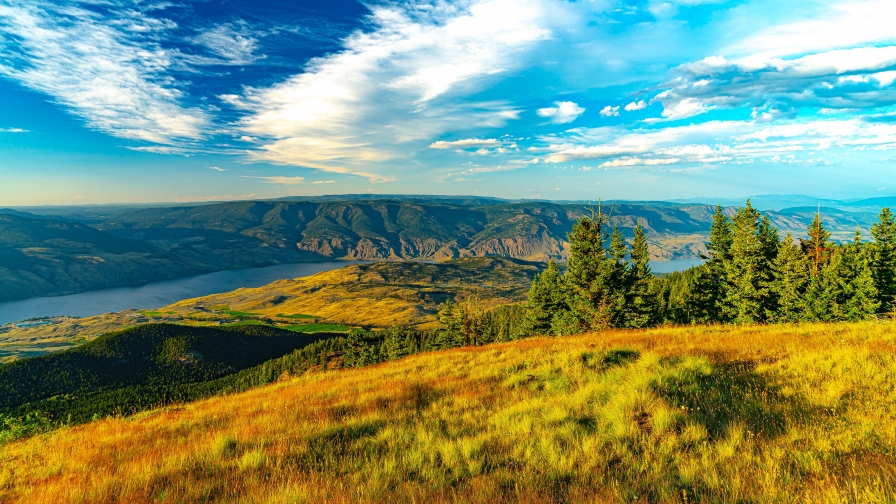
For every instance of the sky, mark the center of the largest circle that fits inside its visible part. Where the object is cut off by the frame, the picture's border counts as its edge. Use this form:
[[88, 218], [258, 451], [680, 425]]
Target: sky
[[120, 101]]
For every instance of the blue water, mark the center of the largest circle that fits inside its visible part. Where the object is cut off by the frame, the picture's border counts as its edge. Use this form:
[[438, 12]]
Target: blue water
[[674, 265], [157, 294]]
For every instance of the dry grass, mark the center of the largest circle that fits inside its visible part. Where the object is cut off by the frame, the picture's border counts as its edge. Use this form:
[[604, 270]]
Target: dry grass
[[760, 414]]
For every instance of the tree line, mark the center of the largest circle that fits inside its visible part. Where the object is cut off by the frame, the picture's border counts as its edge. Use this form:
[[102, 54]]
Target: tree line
[[751, 275]]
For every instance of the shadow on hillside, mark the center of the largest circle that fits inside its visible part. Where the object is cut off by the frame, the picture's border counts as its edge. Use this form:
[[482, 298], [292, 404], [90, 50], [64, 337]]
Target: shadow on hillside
[[733, 393]]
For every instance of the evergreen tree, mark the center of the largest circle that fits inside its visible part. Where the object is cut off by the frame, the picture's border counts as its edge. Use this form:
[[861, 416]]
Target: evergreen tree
[[883, 262], [859, 296], [546, 300], [719, 248], [398, 343], [747, 269], [587, 275], [790, 277], [616, 281], [643, 307], [823, 293], [817, 247]]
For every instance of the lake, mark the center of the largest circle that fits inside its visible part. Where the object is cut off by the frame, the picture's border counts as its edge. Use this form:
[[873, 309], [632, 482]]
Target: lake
[[674, 265], [157, 294]]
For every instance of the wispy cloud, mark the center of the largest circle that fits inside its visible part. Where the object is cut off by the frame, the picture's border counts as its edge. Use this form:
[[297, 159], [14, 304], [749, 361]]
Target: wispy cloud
[[720, 142], [109, 71], [562, 112], [232, 42], [13, 130], [278, 180], [217, 169], [392, 85], [228, 197], [467, 142], [324, 182]]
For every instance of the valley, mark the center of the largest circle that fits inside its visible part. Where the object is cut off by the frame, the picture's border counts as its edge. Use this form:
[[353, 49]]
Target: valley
[[365, 295], [62, 252]]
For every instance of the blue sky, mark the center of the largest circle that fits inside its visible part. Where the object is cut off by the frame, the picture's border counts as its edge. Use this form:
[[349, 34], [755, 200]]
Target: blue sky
[[135, 101]]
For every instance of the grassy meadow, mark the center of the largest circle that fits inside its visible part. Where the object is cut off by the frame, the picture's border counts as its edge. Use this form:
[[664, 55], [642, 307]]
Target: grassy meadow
[[791, 413]]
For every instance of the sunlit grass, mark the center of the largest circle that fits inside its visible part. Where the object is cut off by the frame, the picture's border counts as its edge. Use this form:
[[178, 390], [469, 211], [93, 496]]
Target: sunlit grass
[[297, 316], [714, 414]]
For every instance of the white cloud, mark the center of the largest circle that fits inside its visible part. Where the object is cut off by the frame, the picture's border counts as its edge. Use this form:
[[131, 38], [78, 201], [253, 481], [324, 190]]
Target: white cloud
[[393, 84], [562, 113], [838, 56], [324, 182], [635, 105], [609, 111], [278, 180], [842, 24], [110, 72], [231, 42], [635, 161], [741, 142], [467, 142], [217, 169], [13, 130]]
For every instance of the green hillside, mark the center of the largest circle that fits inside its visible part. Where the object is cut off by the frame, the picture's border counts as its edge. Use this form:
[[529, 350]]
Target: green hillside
[[138, 367]]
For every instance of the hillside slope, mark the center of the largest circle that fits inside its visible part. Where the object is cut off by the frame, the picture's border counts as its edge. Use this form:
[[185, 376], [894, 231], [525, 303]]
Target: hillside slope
[[140, 365], [379, 294], [702, 414], [41, 257]]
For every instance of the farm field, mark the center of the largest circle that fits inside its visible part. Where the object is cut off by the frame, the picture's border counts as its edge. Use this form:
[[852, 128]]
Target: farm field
[[786, 413]]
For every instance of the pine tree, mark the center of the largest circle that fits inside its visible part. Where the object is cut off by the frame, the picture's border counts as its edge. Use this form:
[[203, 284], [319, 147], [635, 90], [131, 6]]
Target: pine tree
[[546, 299], [823, 292], [643, 309], [747, 270], [616, 281], [817, 247], [587, 274], [719, 253], [883, 261], [859, 296], [790, 277]]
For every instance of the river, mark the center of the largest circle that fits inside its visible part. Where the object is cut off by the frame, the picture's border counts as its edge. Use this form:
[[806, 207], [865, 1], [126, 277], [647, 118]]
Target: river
[[157, 294]]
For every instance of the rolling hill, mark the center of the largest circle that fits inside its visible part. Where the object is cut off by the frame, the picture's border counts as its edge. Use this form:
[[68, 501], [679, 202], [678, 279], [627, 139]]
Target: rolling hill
[[698, 414], [140, 366]]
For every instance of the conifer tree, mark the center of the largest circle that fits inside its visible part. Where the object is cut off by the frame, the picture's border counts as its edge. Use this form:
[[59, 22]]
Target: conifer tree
[[790, 276], [643, 309], [616, 281], [883, 263], [859, 296], [588, 274], [747, 269], [719, 248], [817, 247], [546, 299], [823, 294]]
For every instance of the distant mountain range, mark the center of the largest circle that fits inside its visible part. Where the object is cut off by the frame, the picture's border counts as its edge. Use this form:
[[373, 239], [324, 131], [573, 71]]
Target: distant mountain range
[[59, 250]]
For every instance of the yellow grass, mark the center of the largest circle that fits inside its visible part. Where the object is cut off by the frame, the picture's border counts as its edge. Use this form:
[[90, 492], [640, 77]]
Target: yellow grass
[[716, 414]]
